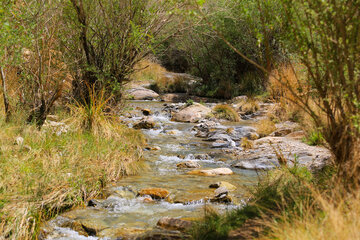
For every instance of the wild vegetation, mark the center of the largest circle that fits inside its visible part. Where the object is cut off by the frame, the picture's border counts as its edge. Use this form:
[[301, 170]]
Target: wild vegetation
[[319, 88], [226, 112], [73, 59]]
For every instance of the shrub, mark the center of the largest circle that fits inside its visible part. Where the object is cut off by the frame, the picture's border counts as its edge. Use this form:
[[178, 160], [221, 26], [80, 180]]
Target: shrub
[[249, 107], [189, 102], [246, 143], [226, 74], [314, 138], [226, 112], [265, 127], [331, 81]]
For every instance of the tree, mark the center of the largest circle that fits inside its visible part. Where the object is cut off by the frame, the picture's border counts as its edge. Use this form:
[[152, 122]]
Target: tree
[[43, 69], [327, 42], [223, 71], [323, 37], [12, 36], [107, 39]]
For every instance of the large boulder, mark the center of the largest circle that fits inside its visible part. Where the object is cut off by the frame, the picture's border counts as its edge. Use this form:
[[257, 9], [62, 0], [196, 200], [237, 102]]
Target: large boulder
[[192, 113], [141, 93], [145, 123], [155, 193], [266, 152]]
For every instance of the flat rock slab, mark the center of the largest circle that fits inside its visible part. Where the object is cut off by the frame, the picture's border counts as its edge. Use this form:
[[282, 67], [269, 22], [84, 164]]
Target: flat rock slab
[[212, 172], [174, 224], [264, 154]]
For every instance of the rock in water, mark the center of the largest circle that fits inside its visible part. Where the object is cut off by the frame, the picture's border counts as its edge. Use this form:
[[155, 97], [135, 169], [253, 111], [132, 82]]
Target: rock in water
[[155, 193], [145, 123], [188, 164], [221, 191], [146, 112], [141, 93], [192, 113], [174, 224], [224, 184], [212, 172]]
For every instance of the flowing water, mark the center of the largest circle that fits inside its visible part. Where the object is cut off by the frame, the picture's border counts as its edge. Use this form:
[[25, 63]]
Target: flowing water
[[177, 142]]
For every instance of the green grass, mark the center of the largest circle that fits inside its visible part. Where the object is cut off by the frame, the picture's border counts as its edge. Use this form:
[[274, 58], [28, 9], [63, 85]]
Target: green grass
[[314, 138], [50, 174]]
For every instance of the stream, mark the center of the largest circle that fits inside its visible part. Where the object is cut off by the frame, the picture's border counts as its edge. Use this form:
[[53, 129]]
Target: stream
[[123, 212]]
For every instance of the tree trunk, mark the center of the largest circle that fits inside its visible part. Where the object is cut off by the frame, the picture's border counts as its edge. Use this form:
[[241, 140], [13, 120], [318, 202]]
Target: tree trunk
[[40, 113], [6, 100]]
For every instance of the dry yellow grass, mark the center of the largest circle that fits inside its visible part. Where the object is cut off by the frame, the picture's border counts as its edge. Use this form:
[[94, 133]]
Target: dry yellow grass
[[48, 174], [250, 106], [265, 127], [246, 143], [148, 70], [338, 218], [227, 112], [280, 84]]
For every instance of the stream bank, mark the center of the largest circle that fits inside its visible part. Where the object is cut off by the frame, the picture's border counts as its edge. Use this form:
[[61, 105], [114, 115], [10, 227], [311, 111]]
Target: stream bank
[[190, 164]]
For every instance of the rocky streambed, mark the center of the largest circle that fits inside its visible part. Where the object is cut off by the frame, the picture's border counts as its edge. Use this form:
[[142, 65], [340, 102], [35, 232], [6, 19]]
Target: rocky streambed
[[191, 162]]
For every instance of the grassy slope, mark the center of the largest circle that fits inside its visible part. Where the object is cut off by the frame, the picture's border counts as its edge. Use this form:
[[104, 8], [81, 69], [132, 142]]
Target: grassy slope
[[280, 190], [49, 173]]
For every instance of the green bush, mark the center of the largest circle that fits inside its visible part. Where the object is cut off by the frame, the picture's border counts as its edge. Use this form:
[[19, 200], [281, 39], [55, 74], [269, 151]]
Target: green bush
[[225, 74], [315, 138]]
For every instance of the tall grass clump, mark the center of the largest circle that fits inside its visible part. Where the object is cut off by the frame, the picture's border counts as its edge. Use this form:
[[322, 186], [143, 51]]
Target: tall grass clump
[[249, 107], [223, 111], [336, 218], [49, 173], [265, 127]]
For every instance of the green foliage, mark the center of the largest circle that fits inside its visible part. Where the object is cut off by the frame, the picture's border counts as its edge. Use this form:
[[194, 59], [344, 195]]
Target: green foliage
[[223, 71], [114, 36], [13, 35], [315, 138], [189, 102]]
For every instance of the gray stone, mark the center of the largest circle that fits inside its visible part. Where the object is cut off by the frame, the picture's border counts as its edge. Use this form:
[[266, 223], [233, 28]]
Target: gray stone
[[174, 224], [141, 93], [264, 155], [188, 164], [145, 123], [192, 113]]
